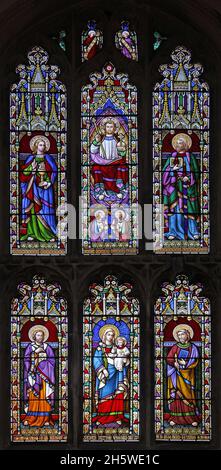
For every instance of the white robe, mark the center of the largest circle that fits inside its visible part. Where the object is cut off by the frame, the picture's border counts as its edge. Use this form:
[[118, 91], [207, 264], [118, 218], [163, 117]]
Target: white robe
[[107, 149]]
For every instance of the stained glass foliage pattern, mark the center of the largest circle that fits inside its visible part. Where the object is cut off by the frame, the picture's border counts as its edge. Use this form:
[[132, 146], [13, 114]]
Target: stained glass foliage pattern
[[182, 326], [111, 363], [60, 38], [126, 41], [158, 39], [39, 363], [181, 157], [91, 41], [109, 151], [38, 128]]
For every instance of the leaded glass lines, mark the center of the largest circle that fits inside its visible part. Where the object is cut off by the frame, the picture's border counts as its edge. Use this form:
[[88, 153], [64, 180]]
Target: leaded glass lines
[[39, 363], [37, 158], [111, 363], [182, 329], [181, 157], [109, 157]]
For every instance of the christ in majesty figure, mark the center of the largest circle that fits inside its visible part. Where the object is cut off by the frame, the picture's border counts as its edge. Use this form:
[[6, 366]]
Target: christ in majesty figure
[[109, 170]]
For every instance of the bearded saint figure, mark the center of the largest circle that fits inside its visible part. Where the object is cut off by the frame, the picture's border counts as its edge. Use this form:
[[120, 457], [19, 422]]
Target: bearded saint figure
[[180, 182], [182, 361], [39, 379]]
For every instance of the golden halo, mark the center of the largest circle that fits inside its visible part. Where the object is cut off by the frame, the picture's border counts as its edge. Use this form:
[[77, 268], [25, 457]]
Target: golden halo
[[40, 137], [185, 137], [100, 212], [121, 211], [118, 212], [104, 328], [110, 119], [182, 327], [36, 328]]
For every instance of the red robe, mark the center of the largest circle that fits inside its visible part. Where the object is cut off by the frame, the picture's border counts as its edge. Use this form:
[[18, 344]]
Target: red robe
[[110, 175]]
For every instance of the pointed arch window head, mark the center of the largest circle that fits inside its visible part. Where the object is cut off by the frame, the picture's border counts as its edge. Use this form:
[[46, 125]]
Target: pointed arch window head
[[37, 158], [182, 325], [109, 150], [181, 157], [111, 363], [91, 41], [39, 363], [126, 41]]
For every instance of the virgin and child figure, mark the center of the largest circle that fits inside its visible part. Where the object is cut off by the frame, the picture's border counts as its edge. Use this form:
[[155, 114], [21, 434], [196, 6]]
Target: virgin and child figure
[[37, 179], [111, 362], [180, 181], [39, 379], [182, 361], [109, 169]]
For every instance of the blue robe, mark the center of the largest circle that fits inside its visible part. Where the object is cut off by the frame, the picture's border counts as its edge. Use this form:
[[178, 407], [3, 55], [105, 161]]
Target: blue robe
[[38, 201], [114, 379]]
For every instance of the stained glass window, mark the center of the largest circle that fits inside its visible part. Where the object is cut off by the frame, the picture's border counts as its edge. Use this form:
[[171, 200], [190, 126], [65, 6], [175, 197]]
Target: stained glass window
[[158, 39], [182, 363], [126, 41], [37, 158], [91, 41], [111, 363], [181, 157], [39, 365], [109, 164], [61, 39]]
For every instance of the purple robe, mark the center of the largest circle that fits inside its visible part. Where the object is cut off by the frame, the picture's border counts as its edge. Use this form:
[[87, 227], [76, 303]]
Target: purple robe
[[33, 376], [125, 51]]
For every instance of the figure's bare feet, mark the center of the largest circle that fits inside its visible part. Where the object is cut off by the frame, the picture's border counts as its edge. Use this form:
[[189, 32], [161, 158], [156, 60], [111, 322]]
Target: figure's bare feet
[[119, 422], [47, 424], [25, 423], [195, 424], [171, 237]]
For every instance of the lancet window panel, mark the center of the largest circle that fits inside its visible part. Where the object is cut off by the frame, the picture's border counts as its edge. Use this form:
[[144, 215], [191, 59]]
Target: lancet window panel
[[38, 187], [109, 156], [111, 397], [181, 157], [39, 363], [182, 329]]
